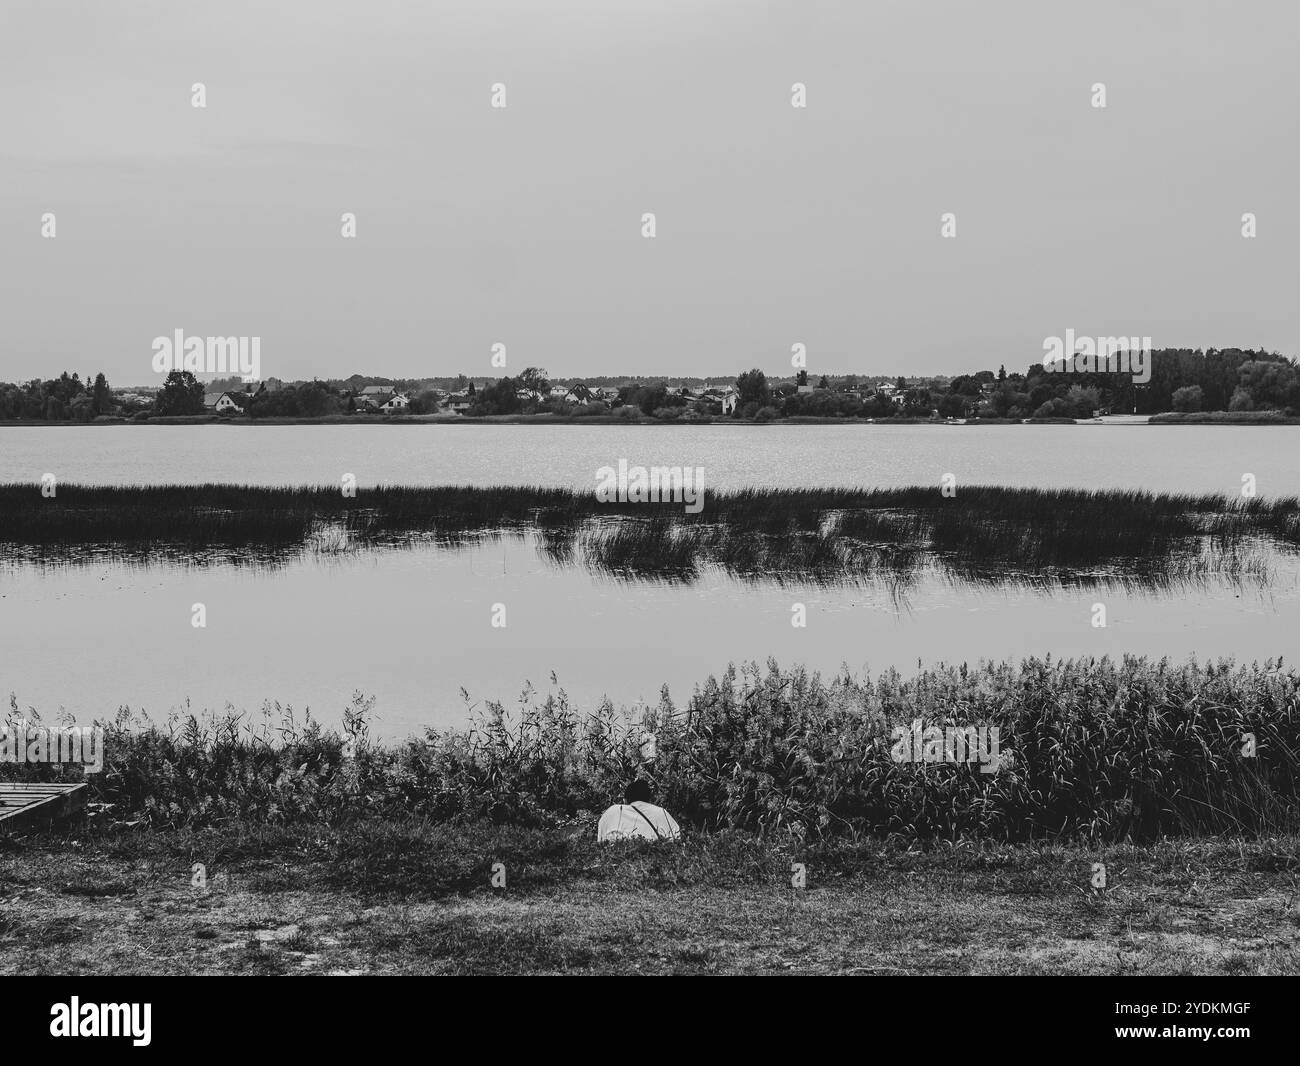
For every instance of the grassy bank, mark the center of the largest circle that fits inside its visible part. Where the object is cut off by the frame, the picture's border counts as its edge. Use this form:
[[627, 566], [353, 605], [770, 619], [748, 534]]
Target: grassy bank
[[1087, 749], [322, 852], [380, 896], [1223, 418], [547, 419], [980, 533]]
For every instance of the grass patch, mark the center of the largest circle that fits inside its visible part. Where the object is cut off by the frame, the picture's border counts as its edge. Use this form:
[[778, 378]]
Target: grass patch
[[718, 903]]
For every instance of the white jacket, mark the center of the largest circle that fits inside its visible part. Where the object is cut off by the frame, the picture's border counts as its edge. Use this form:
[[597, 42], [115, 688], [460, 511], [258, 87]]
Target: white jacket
[[639, 819]]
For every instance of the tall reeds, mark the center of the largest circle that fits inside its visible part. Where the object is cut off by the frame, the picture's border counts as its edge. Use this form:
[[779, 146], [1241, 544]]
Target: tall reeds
[[1090, 748]]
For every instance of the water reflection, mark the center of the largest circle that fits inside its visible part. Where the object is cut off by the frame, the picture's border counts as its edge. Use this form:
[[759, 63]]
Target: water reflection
[[632, 552]]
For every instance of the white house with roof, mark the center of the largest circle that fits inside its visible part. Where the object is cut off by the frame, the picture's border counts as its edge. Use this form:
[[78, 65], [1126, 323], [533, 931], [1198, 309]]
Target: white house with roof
[[221, 402], [581, 395], [380, 398]]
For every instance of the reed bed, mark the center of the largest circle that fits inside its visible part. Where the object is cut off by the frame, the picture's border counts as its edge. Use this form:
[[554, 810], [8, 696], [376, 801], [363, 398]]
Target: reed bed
[[1091, 749], [982, 533]]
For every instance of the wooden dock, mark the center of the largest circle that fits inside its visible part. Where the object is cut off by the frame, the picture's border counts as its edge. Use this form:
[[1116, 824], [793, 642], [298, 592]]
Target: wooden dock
[[26, 806]]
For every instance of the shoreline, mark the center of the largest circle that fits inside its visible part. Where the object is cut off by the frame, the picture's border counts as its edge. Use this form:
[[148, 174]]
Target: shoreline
[[609, 420], [523, 420]]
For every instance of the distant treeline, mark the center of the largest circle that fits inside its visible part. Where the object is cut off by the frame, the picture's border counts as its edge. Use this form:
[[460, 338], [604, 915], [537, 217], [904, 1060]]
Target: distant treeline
[[1181, 380], [59, 399]]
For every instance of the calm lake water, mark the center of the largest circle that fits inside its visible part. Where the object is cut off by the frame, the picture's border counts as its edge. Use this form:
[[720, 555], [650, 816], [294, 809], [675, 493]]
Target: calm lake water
[[1157, 458], [413, 626]]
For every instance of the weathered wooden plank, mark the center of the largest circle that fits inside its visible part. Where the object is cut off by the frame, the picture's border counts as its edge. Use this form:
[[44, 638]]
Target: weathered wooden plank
[[26, 809]]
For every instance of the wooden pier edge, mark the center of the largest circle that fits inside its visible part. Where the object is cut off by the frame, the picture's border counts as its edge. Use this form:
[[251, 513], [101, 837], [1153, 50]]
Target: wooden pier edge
[[28, 805]]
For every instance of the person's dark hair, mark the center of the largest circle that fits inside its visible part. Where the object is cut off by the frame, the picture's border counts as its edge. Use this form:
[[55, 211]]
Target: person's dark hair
[[637, 792]]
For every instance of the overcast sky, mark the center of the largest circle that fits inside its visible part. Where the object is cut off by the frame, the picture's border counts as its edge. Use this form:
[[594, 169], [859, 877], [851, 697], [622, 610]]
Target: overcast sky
[[523, 226]]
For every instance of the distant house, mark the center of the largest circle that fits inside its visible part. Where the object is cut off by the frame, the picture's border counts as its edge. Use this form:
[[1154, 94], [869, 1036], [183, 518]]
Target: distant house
[[581, 395], [378, 398], [222, 402]]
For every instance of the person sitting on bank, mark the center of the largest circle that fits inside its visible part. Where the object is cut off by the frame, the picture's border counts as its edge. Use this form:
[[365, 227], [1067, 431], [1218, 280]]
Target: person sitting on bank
[[636, 816]]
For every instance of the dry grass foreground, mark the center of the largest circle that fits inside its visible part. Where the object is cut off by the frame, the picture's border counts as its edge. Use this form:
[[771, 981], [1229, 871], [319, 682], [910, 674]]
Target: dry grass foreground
[[385, 898]]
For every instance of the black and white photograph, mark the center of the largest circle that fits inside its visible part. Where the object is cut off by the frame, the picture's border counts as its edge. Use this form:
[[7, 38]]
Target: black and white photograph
[[650, 488]]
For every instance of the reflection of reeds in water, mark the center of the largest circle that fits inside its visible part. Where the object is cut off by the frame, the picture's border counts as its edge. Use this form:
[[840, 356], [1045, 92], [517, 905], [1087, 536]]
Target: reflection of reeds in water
[[981, 536]]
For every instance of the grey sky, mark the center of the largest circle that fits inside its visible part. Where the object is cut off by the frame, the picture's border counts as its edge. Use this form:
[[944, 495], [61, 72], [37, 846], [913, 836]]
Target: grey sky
[[775, 225]]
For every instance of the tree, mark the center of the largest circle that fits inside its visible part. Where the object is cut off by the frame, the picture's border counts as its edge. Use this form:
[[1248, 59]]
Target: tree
[[535, 380], [181, 394], [752, 387], [1082, 401], [315, 399], [649, 398], [424, 402], [102, 397], [917, 403], [951, 405], [1269, 384], [1188, 398], [497, 398], [801, 378]]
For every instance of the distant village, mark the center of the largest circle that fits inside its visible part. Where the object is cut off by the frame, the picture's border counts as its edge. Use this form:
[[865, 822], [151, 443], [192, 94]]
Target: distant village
[[1185, 382], [752, 395], [391, 399]]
